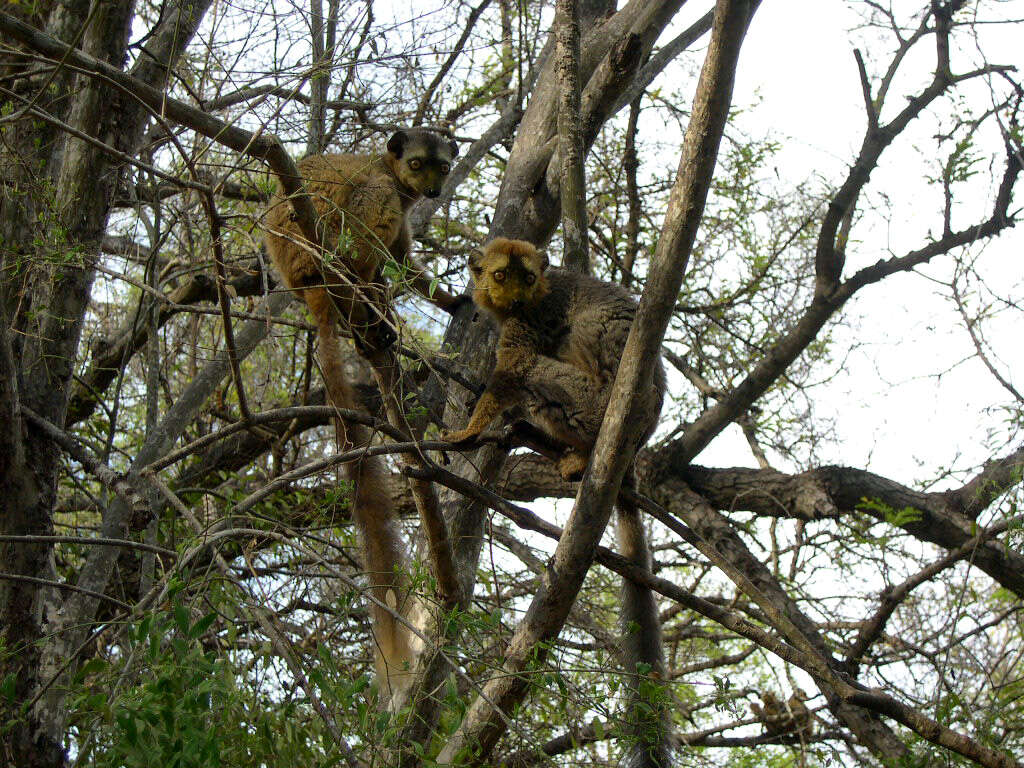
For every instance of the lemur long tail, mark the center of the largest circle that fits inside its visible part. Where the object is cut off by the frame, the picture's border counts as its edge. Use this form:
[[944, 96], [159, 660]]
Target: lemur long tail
[[372, 509], [648, 728]]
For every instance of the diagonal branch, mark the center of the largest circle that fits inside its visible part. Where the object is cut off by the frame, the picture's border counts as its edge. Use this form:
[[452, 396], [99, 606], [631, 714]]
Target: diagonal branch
[[483, 724], [821, 309], [70, 445], [846, 696], [830, 255], [892, 597], [260, 146]]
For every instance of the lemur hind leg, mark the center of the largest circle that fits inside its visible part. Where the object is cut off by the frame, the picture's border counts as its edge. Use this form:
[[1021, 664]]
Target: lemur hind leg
[[567, 404]]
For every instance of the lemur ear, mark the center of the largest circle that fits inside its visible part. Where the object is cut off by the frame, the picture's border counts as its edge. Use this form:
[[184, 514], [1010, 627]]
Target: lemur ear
[[544, 260], [396, 144], [474, 261], [454, 147]]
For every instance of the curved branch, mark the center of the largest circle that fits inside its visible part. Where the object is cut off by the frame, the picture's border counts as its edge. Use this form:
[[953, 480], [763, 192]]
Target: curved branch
[[945, 518]]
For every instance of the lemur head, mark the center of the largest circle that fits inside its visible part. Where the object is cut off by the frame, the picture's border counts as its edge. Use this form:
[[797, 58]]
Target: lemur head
[[421, 159], [509, 275]]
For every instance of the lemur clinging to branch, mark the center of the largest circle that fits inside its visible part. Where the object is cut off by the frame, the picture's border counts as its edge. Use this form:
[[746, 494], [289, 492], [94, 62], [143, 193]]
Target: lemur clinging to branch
[[362, 202], [561, 340]]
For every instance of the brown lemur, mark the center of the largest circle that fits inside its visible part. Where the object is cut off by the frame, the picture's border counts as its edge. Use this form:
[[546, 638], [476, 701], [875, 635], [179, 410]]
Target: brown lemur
[[561, 338], [779, 717], [361, 203]]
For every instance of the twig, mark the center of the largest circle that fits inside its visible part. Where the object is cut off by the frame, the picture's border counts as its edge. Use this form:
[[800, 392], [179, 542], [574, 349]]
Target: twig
[[270, 417], [62, 585], [213, 218], [266, 621], [428, 93], [97, 541]]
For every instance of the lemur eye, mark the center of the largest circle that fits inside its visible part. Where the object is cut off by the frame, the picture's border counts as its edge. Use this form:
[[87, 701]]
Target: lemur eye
[[415, 164], [445, 168], [499, 276], [530, 278]]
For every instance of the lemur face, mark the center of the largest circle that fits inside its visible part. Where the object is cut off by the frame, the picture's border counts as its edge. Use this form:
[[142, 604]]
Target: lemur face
[[509, 275], [422, 159]]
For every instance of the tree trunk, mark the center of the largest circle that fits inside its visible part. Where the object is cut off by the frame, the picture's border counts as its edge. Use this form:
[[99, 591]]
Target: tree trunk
[[67, 184]]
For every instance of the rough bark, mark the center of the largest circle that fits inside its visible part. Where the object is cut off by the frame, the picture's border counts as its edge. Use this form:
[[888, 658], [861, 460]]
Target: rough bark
[[52, 284], [573, 190]]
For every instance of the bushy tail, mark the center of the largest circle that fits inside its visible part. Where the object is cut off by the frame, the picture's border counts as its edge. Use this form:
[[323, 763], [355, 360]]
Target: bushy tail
[[648, 728], [373, 511]]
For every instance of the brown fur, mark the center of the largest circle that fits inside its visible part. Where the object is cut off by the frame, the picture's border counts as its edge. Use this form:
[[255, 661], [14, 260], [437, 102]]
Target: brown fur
[[780, 717], [562, 337], [361, 201]]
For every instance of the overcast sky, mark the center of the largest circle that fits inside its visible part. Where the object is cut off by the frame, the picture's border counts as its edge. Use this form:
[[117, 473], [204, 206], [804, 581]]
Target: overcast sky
[[893, 413]]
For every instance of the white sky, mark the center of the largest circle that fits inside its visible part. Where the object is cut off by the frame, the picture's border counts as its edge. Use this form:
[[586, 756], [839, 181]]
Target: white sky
[[892, 415]]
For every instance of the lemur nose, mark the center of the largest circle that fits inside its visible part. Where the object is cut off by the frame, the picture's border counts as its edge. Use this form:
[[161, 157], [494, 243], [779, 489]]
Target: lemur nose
[[433, 192]]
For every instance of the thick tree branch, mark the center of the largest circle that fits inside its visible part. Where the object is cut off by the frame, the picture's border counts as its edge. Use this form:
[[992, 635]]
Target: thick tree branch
[[528, 204], [828, 492], [573, 190]]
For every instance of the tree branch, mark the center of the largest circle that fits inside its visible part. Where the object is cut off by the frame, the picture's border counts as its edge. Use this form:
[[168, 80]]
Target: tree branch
[[572, 189]]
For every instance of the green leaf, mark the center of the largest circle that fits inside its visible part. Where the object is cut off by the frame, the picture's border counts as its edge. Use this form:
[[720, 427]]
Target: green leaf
[[7, 687], [203, 624], [91, 667], [127, 724], [181, 617]]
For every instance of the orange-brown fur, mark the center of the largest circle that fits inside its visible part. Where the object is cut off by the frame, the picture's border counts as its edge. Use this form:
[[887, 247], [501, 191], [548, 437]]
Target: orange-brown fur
[[361, 202]]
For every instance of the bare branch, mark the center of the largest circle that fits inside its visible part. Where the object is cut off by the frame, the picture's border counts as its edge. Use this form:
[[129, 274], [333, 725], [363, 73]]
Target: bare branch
[[248, 94], [865, 86], [431, 89]]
